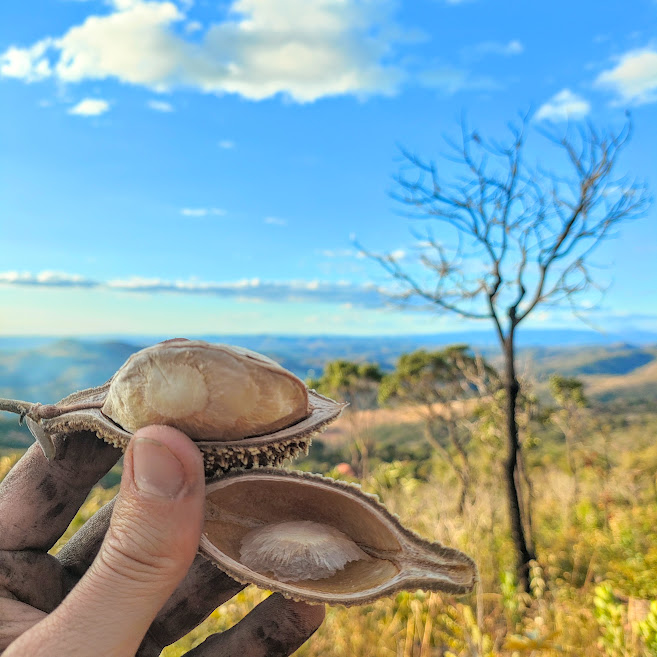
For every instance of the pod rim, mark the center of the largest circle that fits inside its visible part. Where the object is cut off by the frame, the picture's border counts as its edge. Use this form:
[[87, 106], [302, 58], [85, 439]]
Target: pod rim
[[219, 455]]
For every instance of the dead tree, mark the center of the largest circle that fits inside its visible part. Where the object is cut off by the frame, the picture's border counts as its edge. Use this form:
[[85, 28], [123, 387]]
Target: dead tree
[[524, 235]]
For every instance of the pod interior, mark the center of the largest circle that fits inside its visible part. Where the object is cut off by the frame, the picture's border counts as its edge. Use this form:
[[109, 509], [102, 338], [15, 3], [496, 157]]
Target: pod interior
[[235, 509]]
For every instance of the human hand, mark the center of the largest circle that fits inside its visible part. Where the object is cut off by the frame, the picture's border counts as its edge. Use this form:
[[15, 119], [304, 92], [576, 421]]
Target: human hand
[[130, 581]]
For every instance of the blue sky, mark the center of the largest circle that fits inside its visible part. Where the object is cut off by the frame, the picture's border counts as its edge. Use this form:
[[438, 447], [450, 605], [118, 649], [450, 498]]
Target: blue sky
[[204, 167]]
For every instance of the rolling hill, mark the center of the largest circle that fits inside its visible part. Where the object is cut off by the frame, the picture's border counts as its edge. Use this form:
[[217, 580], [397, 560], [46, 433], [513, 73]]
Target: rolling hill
[[639, 384]]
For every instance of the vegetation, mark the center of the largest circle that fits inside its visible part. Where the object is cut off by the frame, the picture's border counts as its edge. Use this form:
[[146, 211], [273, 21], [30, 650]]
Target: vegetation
[[357, 385]]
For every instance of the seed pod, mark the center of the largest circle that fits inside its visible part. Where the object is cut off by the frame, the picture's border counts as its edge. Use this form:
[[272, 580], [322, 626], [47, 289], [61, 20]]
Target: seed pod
[[321, 541], [241, 408]]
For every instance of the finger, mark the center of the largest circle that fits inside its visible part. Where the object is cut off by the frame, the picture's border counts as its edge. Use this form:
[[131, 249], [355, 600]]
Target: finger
[[276, 627], [38, 499], [81, 550], [17, 618], [203, 589], [35, 578], [153, 534]]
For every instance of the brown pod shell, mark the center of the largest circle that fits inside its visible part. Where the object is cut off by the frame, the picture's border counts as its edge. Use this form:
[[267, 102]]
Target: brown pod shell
[[244, 509], [229, 429]]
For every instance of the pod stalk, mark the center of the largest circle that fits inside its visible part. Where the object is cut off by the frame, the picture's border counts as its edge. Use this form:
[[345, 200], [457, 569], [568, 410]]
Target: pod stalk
[[18, 407], [36, 411]]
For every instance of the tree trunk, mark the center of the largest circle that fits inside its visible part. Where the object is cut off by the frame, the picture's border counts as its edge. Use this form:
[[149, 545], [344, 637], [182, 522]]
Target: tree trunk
[[526, 500], [512, 388], [362, 444]]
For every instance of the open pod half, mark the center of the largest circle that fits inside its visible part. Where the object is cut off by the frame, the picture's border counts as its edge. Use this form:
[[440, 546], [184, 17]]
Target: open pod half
[[318, 540], [240, 408]]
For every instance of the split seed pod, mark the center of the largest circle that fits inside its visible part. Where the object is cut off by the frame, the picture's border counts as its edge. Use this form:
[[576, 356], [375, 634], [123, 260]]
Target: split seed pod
[[318, 540], [241, 408]]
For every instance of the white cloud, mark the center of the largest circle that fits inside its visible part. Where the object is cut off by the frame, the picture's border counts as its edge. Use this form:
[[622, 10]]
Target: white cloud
[[399, 254], [45, 279], [275, 221], [226, 144], [452, 80], [305, 49], [193, 26], [90, 107], [133, 44], [29, 64], [563, 106], [160, 106], [634, 78], [202, 212], [513, 47]]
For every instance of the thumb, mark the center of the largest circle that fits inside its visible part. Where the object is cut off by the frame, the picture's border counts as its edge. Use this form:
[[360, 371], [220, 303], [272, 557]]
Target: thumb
[[151, 543]]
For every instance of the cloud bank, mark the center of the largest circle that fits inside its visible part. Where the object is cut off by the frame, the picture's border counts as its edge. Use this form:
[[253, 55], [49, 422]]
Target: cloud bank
[[304, 49], [252, 289]]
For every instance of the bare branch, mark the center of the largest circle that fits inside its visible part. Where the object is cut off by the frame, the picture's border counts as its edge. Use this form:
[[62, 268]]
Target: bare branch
[[531, 231]]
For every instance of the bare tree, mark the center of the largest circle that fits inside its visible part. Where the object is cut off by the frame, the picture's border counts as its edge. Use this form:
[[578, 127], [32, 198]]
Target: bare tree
[[489, 429], [524, 237]]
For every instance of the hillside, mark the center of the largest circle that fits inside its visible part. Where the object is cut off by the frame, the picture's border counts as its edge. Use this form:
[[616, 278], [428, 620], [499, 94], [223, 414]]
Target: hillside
[[639, 384], [49, 372], [612, 360]]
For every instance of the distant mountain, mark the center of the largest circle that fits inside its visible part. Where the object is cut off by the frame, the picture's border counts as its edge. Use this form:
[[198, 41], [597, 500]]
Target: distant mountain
[[51, 371], [612, 360], [481, 339], [638, 385]]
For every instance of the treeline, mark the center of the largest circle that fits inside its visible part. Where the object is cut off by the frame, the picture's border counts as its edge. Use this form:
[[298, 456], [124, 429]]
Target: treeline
[[457, 398]]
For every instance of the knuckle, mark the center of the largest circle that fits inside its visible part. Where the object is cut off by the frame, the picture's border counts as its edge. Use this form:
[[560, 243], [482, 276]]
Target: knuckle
[[137, 553]]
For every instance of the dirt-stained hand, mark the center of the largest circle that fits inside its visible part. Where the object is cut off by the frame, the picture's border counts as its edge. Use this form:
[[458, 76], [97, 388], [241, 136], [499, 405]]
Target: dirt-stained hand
[[130, 581]]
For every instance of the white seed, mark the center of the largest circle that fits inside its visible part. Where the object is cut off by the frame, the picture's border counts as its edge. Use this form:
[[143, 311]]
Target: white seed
[[298, 550]]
